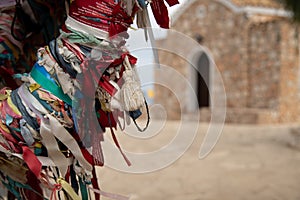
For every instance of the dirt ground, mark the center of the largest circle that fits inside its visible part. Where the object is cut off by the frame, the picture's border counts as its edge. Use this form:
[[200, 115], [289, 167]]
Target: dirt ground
[[248, 163]]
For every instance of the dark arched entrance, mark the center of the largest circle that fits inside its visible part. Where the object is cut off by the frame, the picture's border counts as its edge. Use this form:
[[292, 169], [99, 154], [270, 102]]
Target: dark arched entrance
[[203, 80]]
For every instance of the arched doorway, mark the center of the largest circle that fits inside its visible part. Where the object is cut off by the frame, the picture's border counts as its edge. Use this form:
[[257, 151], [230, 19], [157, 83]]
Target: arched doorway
[[203, 80]]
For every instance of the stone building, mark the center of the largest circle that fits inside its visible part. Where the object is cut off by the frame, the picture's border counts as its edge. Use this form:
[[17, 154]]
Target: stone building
[[253, 45]]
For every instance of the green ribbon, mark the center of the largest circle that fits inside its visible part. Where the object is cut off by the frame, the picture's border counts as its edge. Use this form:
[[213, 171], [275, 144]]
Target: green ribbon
[[78, 37], [12, 190], [83, 189], [49, 85], [11, 185]]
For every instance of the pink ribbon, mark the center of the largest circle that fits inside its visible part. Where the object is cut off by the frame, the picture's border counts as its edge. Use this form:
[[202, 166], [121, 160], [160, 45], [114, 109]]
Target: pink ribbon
[[109, 195]]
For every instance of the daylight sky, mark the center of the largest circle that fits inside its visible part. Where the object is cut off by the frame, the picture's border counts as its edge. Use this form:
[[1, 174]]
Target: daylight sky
[[141, 49]]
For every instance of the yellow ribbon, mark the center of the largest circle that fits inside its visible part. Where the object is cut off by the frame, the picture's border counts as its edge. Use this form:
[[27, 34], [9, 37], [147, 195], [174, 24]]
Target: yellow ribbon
[[12, 106], [34, 87], [5, 95], [4, 128], [69, 190]]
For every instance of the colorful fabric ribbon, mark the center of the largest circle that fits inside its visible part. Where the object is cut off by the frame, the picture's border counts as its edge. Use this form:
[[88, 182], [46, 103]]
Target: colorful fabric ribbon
[[55, 121]]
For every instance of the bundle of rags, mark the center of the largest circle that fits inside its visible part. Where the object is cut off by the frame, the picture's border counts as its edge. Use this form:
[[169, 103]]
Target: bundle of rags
[[83, 82], [26, 25]]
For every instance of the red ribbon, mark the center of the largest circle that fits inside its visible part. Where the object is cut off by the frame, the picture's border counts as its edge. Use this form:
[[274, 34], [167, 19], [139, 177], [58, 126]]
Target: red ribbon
[[107, 86], [172, 2], [107, 119], [57, 187], [94, 180], [7, 136], [9, 111], [4, 146], [88, 87], [97, 138], [105, 15], [75, 49], [36, 192], [32, 161], [91, 76], [119, 61], [160, 13], [120, 21], [119, 147]]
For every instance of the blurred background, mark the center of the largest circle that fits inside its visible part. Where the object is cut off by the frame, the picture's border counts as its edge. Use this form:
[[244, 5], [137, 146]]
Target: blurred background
[[242, 56], [254, 46]]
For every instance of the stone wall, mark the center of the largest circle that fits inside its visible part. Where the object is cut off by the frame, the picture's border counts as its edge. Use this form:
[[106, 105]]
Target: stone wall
[[258, 59], [289, 77], [264, 62], [224, 35]]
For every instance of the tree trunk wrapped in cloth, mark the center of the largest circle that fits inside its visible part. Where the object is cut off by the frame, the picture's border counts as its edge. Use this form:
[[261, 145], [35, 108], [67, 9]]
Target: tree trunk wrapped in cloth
[[83, 82]]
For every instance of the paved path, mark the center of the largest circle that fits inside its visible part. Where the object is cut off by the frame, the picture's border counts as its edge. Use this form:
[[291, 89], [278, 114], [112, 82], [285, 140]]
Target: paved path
[[248, 163]]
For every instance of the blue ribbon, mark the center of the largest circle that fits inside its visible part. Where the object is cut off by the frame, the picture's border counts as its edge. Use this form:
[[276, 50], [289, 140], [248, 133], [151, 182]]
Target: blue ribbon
[[142, 3], [43, 78]]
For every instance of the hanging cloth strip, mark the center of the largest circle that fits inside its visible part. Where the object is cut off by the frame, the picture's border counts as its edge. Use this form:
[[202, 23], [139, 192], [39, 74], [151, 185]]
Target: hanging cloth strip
[[40, 76], [105, 15], [32, 161], [28, 156], [101, 16], [51, 143], [24, 191], [53, 46], [62, 184], [12, 169], [160, 13], [172, 2], [17, 101], [109, 195], [53, 149], [12, 110], [56, 128]]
